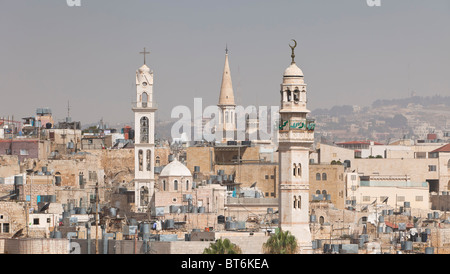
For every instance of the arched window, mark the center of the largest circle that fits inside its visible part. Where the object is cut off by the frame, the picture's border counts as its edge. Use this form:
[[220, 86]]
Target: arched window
[[317, 176], [144, 130], [289, 95], [448, 185], [321, 220], [295, 201], [324, 176], [164, 185], [296, 95], [299, 202], [324, 192], [294, 170], [187, 184], [448, 164], [317, 191], [144, 196], [175, 185], [141, 160], [149, 160], [299, 170], [144, 99], [157, 161], [227, 118]]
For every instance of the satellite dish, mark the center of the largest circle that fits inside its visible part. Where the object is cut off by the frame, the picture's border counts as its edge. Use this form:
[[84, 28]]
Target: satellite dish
[[253, 185]]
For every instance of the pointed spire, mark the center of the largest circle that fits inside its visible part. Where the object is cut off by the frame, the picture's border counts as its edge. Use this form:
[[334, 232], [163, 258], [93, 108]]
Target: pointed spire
[[226, 89]]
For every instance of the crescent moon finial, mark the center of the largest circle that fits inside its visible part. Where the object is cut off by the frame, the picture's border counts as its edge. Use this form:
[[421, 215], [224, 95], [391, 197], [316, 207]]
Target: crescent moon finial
[[293, 47], [295, 44]]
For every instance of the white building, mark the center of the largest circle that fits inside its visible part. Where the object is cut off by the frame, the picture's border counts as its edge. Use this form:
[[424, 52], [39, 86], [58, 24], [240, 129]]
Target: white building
[[144, 120], [296, 136]]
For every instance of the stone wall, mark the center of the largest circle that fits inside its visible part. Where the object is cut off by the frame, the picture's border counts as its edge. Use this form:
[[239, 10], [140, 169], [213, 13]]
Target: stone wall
[[34, 246], [12, 213]]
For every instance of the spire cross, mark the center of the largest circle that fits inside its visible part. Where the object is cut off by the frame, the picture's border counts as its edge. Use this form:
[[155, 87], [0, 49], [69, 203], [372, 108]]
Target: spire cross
[[226, 48], [144, 53]]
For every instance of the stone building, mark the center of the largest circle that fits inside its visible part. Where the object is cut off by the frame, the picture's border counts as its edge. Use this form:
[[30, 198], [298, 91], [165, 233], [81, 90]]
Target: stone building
[[328, 181]]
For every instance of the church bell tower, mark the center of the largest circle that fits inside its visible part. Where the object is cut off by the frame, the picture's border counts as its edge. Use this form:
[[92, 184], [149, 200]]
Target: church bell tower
[[144, 141], [296, 136]]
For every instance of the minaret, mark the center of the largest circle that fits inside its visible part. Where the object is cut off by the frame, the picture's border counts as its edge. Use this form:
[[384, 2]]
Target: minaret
[[144, 144], [226, 104], [296, 136]]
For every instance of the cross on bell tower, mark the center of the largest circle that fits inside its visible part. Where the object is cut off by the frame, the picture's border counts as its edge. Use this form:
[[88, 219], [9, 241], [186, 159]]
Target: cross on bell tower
[[144, 53]]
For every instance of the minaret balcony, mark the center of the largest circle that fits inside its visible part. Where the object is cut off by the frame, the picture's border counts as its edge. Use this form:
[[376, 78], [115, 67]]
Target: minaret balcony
[[296, 135], [144, 106]]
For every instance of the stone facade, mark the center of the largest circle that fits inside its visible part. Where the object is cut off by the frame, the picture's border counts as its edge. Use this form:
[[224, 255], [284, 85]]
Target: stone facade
[[328, 180]]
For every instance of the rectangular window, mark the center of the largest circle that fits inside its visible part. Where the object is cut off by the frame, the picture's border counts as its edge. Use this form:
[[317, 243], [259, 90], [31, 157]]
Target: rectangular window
[[35, 221], [267, 177], [419, 198], [353, 177], [92, 175], [23, 152], [272, 194], [432, 168], [366, 198], [5, 228], [48, 220], [400, 198], [272, 176]]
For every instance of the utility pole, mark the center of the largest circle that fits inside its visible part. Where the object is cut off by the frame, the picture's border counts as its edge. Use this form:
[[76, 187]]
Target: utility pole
[[96, 218]]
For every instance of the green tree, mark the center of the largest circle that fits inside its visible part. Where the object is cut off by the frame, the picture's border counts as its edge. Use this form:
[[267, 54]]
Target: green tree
[[222, 247], [282, 242]]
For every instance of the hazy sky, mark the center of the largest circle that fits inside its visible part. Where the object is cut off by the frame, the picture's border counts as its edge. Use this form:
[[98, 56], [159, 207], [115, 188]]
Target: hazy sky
[[349, 52]]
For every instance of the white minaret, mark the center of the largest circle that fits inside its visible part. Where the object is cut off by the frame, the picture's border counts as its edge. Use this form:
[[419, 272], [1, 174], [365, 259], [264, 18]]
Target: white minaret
[[296, 136], [144, 142], [227, 120]]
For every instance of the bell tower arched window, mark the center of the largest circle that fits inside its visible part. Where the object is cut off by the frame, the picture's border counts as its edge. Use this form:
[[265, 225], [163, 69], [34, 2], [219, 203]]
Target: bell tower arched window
[[144, 129], [144, 99], [149, 160], [141, 160]]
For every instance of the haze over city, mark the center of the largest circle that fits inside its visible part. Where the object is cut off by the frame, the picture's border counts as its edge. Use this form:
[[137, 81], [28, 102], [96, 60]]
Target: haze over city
[[350, 53]]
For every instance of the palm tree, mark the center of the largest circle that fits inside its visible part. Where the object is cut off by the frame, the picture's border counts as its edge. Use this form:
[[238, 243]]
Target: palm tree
[[281, 243], [222, 247]]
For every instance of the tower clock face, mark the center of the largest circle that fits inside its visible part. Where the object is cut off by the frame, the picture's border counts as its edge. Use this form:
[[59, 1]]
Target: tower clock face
[[144, 83]]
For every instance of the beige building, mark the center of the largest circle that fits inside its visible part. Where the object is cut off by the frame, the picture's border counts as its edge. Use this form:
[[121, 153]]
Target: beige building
[[327, 180]]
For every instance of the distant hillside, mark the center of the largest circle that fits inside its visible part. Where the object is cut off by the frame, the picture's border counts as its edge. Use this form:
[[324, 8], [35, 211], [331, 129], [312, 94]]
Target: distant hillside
[[403, 102], [424, 101]]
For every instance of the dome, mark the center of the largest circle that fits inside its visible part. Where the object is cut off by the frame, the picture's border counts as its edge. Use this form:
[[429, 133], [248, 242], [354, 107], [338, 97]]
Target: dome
[[293, 71], [144, 68], [175, 169]]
